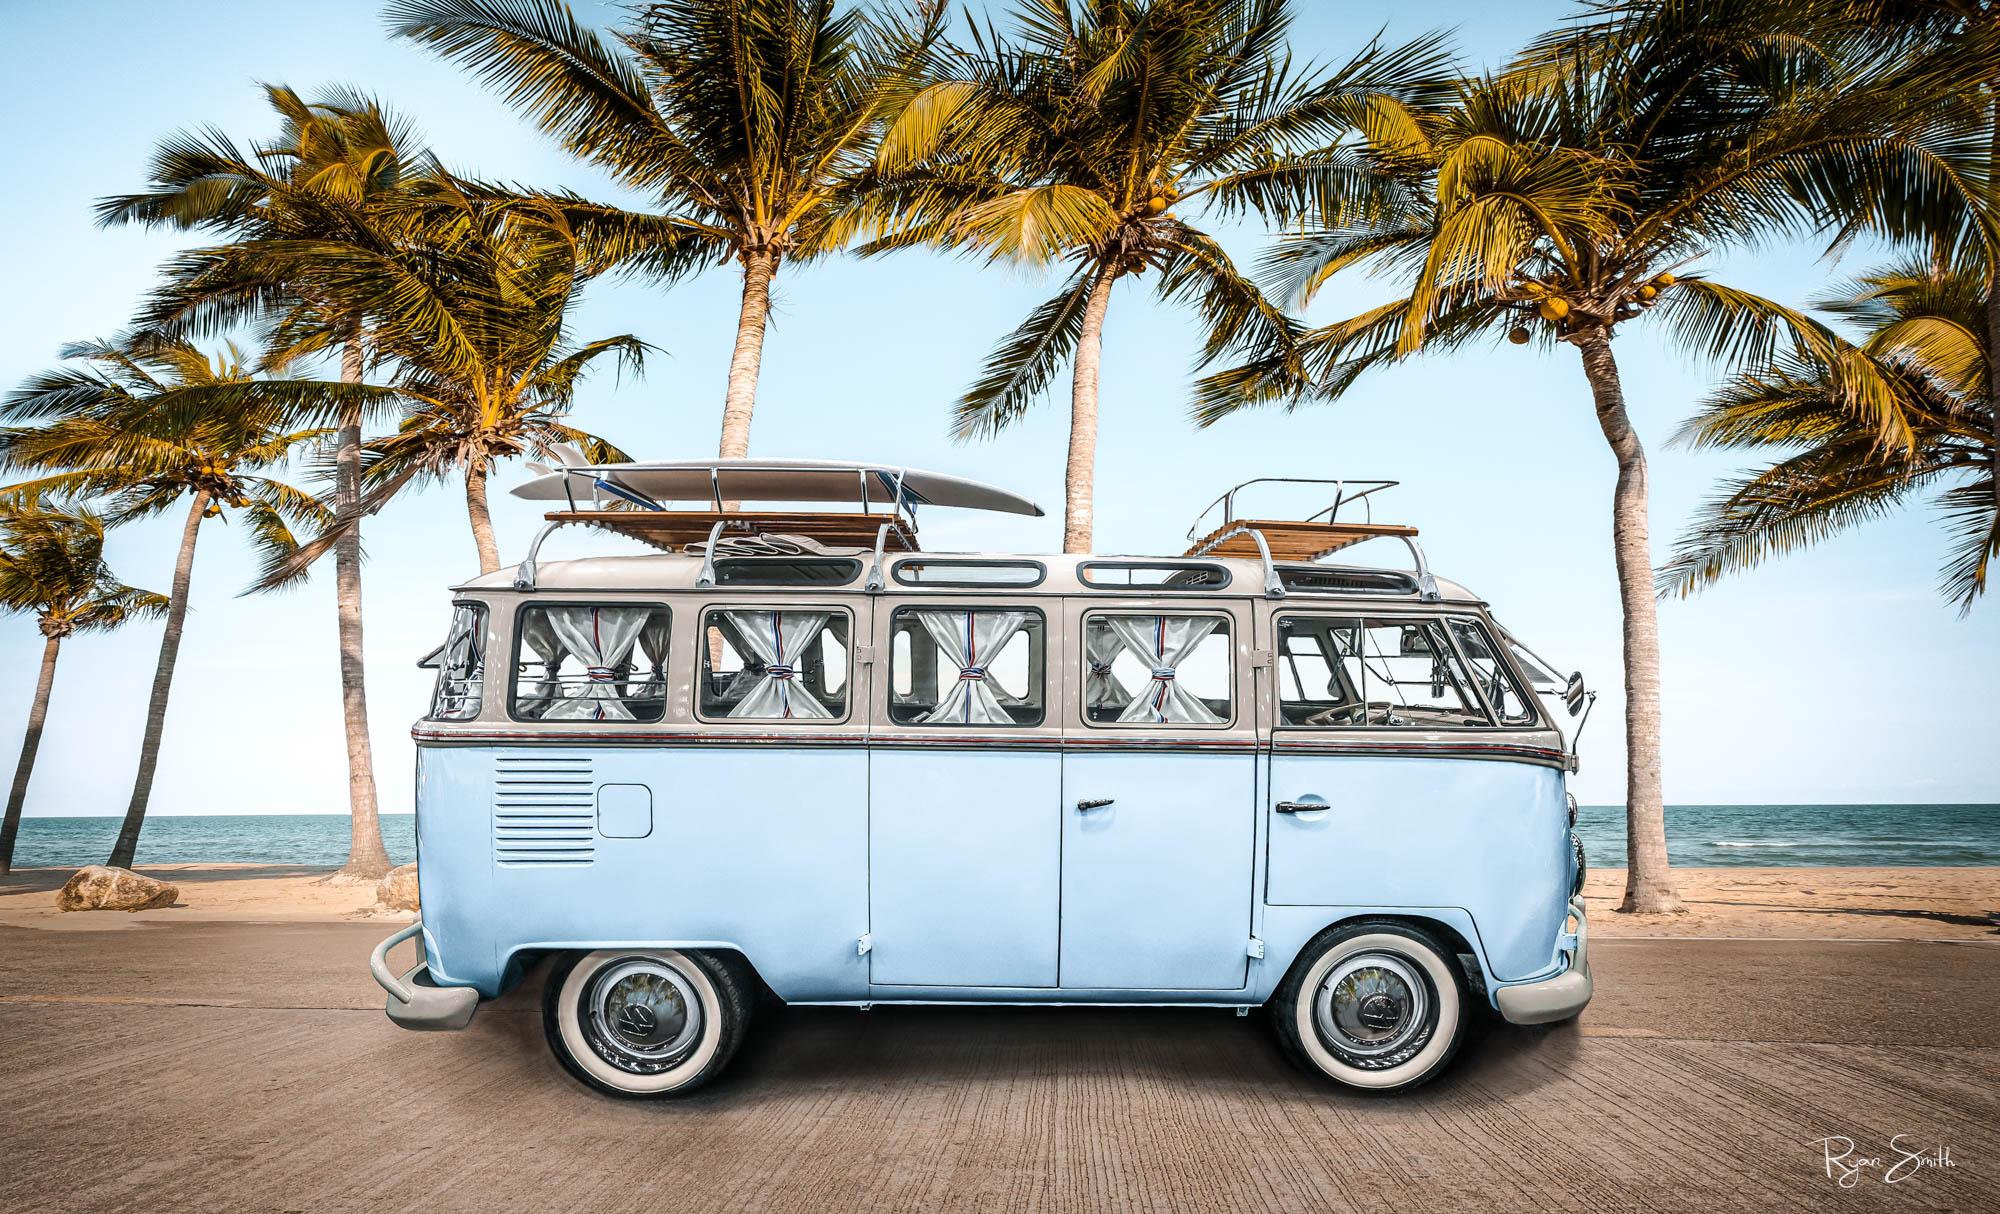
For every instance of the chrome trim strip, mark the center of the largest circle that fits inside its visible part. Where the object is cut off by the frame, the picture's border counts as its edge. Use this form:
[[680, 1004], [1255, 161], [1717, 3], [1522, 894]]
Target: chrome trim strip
[[434, 737], [1539, 755], [1419, 749]]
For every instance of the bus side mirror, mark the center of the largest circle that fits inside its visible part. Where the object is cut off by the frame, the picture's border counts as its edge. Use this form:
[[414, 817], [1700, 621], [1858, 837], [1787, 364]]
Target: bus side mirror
[[1573, 693]]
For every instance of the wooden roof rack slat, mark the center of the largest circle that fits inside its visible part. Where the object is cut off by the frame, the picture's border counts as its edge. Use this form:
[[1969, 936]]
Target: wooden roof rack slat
[[669, 530], [1291, 541], [1305, 540]]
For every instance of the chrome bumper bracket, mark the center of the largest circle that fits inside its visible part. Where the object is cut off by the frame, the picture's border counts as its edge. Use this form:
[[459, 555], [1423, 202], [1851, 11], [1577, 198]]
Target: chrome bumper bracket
[[415, 1001], [1552, 999]]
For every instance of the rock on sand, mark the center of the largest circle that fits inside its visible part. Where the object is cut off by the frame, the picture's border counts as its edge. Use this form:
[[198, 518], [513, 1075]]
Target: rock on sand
[[398, 890], [101, 887]]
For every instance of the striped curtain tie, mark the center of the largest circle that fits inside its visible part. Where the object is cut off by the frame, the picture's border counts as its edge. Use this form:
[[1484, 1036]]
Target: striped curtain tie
[[1100, 670], [603, 674], [1164, 674], [779, 671], [973, 674]]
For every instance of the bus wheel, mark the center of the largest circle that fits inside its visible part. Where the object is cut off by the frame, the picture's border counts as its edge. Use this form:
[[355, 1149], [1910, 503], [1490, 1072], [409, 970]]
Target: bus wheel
[[1374, 1004], [644, 1023]]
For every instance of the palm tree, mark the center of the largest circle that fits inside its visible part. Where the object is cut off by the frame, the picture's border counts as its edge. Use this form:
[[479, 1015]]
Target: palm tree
[[52, 564], [747, 121], [313, 217], [507, 272], [146, 422], [1068, 139], [1924, 347], [1571, 195]]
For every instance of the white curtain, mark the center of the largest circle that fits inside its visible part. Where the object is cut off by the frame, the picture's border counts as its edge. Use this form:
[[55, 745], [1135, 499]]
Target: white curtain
[[603, 639], [971, 639], [540, 637], [776, 641], [653, 645], [1162, 642], [729, 625], [1101, 688]]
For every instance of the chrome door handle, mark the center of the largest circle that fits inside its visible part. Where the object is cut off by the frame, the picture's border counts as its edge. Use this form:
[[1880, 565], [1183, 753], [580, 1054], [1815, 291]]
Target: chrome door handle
[[1299, 807], [1100, 803]]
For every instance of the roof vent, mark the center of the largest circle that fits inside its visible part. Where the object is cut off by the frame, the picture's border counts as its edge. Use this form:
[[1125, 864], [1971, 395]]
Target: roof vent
[[1329, 580]]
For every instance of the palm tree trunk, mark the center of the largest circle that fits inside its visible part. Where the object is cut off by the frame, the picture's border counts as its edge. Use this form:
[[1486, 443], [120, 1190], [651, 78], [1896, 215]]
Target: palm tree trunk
[[1649, 879], [127, 847], [11, 825], [1993, 298], [482, 519], [367, 859], [758, 270], [1079, 477]]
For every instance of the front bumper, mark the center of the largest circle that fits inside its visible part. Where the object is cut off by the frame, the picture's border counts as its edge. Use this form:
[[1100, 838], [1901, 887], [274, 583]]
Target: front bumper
[[415, 1001], [1557, 998]]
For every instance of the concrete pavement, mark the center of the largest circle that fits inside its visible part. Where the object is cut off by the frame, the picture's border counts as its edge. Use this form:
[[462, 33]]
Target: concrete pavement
[[247, 1067]]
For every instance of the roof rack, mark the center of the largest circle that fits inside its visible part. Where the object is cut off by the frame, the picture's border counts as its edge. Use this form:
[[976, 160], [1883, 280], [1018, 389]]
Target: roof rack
[[1318, 535], [641, 496]]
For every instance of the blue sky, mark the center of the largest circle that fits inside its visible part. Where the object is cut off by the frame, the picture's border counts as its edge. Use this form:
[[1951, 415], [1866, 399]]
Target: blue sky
[[1834, 676]]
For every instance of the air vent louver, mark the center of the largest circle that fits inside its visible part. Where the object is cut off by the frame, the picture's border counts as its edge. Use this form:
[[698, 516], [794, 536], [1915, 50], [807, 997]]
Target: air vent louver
[[544, 811]]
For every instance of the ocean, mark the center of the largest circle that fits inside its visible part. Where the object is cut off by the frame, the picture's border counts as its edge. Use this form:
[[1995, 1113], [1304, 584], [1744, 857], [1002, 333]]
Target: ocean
[[1805, 836], [1698, 836], [198, 838]]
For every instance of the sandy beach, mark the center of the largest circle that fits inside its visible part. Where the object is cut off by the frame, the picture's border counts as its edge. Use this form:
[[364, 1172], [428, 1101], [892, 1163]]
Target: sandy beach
[[1749, 903], [1811, 903], [209, 893]]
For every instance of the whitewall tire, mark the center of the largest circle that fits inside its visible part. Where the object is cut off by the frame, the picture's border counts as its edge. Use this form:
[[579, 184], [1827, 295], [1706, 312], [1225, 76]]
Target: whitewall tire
[[643, 1022], [1375, 1005]]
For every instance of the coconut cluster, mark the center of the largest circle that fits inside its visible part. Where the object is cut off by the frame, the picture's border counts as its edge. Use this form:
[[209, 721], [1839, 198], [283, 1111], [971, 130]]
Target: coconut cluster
[[1557, 310]]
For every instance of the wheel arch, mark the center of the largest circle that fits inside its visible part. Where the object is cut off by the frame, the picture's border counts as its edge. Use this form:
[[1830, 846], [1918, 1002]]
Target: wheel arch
[[1447, 934], [526, 959]]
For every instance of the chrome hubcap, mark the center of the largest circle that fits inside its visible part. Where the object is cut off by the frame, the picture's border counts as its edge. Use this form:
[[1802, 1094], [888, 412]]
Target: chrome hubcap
[[1375, 1009], [641, 1015]]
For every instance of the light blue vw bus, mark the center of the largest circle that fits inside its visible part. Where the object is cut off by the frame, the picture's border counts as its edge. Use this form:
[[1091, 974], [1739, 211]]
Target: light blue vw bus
[[790, 752]]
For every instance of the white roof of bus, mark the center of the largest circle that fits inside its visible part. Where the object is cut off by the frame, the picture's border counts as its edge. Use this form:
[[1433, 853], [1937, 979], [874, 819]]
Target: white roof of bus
[[676, 571]]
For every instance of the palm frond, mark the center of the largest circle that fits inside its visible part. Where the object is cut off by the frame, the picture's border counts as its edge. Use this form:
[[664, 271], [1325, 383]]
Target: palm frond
[[1867, 427], [1793, 504], [1019, 369], [560, 73]]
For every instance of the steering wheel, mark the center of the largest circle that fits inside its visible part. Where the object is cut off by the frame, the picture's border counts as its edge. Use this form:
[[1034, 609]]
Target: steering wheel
[[1345, 715]]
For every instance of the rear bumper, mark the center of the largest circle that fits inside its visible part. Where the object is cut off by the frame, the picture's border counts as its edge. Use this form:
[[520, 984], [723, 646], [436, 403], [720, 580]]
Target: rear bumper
[[1559, 998], [415, 1001]]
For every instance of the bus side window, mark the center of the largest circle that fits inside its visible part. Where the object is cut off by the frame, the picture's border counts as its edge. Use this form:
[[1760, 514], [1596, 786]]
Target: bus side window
[[1384, 672], [1319, 670], [768, 664], [966, 666], [1509, 702], [461, 666], [1153, 669], [590, 662], [1305, 673]]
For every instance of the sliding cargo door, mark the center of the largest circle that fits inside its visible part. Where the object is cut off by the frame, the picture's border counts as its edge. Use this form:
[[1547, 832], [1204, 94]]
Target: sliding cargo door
[[1158, 800], [965, 782]]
